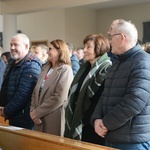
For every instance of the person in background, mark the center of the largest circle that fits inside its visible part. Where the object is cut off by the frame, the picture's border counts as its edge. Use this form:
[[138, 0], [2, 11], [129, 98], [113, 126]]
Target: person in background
[[123, 111], [80, 55], [49, 97], [6, 56], [41, 52], [74, 52], [2, 68], [74, 59], [146, 47], [86, 89], [19, 81]]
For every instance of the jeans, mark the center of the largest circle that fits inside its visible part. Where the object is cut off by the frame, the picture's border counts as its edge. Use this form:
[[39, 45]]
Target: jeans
[[130, 146]]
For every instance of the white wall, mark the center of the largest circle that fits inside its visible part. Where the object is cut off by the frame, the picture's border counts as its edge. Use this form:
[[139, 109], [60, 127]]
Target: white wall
[[71, 25], [1, 23], [79, 23], [136, 13], [45, 25]]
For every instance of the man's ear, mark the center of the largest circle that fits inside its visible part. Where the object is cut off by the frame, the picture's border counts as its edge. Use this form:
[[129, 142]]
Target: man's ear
[[26, 46]]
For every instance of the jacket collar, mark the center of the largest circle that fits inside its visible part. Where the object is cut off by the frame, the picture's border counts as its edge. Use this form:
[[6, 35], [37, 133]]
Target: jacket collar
[[129, 53], [29, 57]]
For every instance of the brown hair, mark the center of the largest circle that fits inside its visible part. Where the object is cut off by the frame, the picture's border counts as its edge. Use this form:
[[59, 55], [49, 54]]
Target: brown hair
[[62, 48], [101, 43]]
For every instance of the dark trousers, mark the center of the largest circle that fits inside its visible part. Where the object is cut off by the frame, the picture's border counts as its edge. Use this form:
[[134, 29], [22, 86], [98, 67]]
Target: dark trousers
[[89, 135]]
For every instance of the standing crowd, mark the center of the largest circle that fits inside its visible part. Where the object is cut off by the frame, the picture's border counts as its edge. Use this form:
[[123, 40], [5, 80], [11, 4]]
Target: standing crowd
[[99, 93]]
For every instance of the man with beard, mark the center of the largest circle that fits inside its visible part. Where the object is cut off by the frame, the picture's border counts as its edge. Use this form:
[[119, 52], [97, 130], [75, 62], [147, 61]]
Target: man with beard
[[19, 80]]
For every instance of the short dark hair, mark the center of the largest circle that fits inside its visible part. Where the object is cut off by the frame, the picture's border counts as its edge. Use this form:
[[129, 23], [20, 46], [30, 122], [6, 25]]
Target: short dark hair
[[101, 43]]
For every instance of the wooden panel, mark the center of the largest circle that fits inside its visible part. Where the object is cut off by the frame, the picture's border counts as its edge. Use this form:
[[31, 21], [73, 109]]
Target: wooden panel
[[3, 121], [44, 42], [32, 140]]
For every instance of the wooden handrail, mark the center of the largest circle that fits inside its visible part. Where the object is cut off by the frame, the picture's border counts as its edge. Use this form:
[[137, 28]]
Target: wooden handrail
[[13, 139]]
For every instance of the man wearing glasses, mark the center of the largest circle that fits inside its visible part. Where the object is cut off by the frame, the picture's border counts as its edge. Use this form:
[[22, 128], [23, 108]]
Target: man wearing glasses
[[122, 115]]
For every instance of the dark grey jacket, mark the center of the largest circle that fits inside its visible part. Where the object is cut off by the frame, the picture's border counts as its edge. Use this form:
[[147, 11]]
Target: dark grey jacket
[[125, 103]]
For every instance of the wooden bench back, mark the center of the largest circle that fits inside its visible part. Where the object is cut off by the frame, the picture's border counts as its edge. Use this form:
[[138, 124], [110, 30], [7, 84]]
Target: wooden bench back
[[13, 139]]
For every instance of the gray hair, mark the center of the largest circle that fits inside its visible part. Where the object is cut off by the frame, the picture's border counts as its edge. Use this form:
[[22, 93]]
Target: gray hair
[[24, 37], [128, 29], [70, 46]]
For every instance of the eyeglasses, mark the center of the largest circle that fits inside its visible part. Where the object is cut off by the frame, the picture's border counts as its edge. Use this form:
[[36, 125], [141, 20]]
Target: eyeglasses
[[111, 36]]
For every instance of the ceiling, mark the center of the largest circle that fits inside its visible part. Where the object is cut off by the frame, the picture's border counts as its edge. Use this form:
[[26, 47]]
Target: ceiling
[[115, 3], [25, 6]]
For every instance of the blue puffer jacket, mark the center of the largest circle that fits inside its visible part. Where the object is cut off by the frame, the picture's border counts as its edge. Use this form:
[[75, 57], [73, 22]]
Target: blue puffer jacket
[[75, 64], [2, 69], [22, 81], [125, 103]]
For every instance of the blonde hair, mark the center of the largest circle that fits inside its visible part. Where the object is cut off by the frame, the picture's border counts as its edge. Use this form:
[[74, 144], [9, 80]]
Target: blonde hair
[[43, 47]]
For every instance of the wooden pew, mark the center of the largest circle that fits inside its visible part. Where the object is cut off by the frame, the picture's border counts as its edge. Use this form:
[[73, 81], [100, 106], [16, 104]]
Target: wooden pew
[[24, 139], [2, 121]]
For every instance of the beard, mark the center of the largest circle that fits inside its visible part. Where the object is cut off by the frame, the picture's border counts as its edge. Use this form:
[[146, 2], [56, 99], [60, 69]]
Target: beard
[[14, 56]]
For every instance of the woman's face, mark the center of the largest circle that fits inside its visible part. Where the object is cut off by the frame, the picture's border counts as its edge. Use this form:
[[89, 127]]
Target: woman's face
[[53, 54], [89, 53]]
